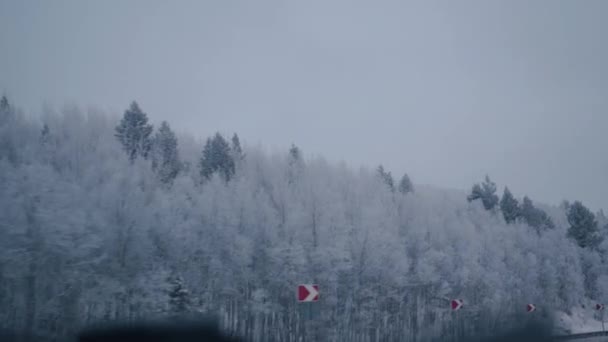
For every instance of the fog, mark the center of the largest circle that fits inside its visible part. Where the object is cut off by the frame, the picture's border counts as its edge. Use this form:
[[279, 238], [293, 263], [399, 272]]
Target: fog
[[445, 91]]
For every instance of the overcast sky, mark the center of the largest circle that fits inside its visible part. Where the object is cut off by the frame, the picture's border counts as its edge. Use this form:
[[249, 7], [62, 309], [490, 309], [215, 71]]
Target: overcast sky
[[447, 91]]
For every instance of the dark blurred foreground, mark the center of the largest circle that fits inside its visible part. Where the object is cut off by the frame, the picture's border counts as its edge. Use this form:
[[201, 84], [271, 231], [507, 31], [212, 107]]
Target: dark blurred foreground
[[185, 330], [188, 331], [156, 332], [534, 332]]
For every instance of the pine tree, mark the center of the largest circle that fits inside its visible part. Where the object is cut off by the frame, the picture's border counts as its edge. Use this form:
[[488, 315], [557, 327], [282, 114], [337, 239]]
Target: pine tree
[[527, 210], [165, 156], [295, 164], [206, 164], [294, 154], [133, 132], [4, 105], [509, 206], [236, 149], [45, 135], [5, 109], [583, 226], [217, 158], [535, 217], [386, 177], [405, 185], [47, 146], [486, 192], [179, 297], [546, 219]]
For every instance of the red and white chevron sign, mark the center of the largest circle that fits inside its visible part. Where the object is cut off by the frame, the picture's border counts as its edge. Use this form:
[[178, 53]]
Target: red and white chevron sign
[[308, 293], [456, 304], [599, 307], [530, 307]]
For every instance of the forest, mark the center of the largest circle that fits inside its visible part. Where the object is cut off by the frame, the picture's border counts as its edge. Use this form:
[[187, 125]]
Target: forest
[[110, 217]]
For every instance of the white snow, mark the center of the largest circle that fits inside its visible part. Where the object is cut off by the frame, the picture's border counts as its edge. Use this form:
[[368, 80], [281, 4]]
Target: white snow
[[581, 320]]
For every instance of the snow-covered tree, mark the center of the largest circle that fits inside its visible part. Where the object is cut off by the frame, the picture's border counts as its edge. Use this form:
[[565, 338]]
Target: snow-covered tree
[[180, 301], [15, 131], [486, 192], [295, 154], [236, 148], [509, 206], [47, 145], [134, 132], [90, 237], [405, 184], [535, 217], [217, 157], [45, 134], [583, 226], [4, 105], [386, 178], [6, 110], [237, 154], [295, 164], [165, 155]]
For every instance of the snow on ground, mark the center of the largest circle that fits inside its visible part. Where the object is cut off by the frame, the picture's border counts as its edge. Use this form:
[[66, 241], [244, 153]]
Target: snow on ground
[[581, 320]]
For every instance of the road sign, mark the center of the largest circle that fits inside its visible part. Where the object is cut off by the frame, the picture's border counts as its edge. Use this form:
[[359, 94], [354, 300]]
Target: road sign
[[308, 293], [456, 304], [530, 307], [599, 307]]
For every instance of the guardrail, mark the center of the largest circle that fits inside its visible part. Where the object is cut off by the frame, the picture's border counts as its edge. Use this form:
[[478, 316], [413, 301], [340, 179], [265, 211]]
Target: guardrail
[[581, 336]]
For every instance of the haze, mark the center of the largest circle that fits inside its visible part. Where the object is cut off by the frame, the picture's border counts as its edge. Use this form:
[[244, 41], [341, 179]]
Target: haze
[[446, 91]]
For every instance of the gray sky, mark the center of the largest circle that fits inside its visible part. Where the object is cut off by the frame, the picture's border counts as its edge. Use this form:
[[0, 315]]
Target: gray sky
[[447, 91]]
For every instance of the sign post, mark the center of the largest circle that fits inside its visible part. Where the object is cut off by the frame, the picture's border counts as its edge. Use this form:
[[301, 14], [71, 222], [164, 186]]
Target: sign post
[[600, 308], [308, 293]]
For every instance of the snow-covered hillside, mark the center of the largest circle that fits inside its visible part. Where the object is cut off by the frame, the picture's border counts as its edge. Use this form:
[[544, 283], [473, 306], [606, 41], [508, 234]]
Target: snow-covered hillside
[[88, 234], [580, 320]]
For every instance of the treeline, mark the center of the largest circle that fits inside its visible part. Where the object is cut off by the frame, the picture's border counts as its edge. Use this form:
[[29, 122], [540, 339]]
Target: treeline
[[135, 135], [111, 219], [583, 226]]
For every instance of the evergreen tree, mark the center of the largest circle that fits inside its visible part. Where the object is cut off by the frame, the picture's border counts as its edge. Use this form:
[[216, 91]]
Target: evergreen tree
[[237, 151], [390, 182], [4, 105], [206, 164], [295, 164], [179, 297], [294, 154], [47, 144], [9, 132], [405, 185], [5, 109], [527, 210], [165, 156], [133, 132], [45, 135], [583, 226], [486, 192], [386, 177], [546, 220], [535, 217], [217, 158], [509, 206], [602, 220]]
